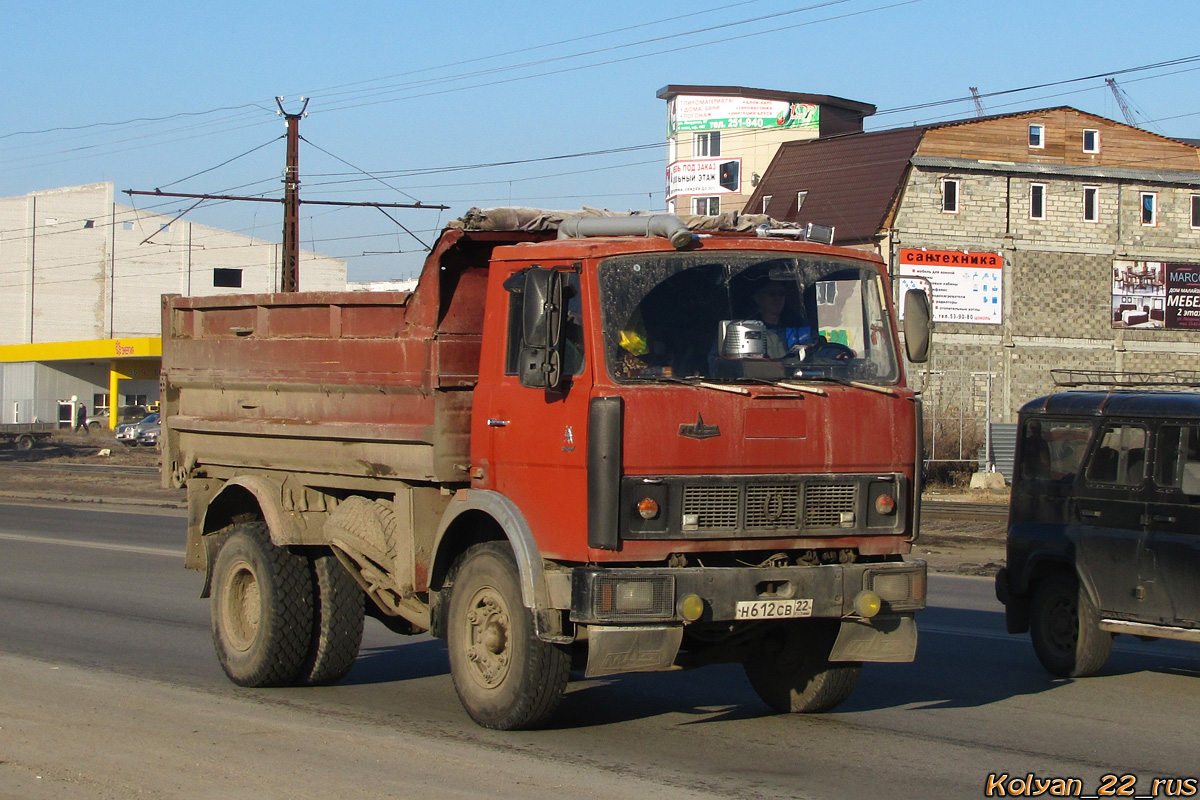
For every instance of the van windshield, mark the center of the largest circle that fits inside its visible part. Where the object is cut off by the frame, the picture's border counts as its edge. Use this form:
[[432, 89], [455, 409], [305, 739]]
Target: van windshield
[[729, 316]]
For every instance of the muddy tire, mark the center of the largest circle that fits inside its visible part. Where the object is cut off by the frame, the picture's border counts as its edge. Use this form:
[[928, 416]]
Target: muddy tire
[[24, 442], [262, 609], [505, 676], [337, 623], [790, 670], [1065, 627]]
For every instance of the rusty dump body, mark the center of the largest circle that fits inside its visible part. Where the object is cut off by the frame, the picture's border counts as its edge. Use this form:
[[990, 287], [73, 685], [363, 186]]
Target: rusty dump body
[[601, 408]]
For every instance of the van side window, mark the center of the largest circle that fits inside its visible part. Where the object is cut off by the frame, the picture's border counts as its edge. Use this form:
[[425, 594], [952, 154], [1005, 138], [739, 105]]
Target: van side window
[[1052, 450], [1120, 456], [1177, 458]]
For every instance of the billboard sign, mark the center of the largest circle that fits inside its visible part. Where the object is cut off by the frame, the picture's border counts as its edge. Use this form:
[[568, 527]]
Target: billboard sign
[[704, 176], [967, 286], [705, 113], [1155, 294]]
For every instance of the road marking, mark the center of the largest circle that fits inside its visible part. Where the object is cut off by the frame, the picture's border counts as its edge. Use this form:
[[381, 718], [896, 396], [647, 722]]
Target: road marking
[[123, 548]]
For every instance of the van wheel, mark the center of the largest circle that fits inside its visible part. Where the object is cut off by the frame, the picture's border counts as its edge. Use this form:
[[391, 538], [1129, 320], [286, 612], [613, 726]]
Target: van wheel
[[262, 609], [337, 623], [505, 676], [790, 670], [1065, 627]]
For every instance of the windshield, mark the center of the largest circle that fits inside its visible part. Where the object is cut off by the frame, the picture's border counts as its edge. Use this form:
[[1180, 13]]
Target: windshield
[[729, 316]]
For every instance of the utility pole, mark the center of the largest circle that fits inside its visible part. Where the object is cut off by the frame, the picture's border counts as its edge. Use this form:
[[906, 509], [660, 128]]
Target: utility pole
[[289, 278]]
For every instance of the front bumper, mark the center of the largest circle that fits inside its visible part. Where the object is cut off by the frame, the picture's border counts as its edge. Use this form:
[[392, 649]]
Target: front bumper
[[633, 595]]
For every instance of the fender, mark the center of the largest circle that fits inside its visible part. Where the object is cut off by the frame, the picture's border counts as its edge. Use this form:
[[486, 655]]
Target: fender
[[268, 496], [504, 511]]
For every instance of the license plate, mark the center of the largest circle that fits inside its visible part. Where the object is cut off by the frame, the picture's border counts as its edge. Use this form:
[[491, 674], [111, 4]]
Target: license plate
[[774, 609]]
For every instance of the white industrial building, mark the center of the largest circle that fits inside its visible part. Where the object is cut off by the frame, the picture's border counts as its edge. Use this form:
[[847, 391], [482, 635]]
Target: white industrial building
[[81, 278]]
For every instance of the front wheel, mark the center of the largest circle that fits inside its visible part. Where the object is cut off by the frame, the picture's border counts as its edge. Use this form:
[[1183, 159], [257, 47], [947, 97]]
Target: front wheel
[[506, 678], [790, 670], [1065, 627], [262, 609], [24, 442]]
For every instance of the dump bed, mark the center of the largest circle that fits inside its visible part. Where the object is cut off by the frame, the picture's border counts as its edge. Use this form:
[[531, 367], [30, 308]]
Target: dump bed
[[350, 384]]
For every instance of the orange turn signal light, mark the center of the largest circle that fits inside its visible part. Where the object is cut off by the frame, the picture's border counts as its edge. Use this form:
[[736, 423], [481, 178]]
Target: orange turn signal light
[[648, 508]]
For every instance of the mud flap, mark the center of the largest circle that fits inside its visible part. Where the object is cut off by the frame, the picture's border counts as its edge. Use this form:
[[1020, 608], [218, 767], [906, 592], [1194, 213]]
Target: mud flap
[[890, 639], [613, 649]]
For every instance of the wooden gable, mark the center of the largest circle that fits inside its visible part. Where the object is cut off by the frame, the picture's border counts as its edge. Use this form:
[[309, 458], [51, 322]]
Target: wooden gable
[[1006, 139]]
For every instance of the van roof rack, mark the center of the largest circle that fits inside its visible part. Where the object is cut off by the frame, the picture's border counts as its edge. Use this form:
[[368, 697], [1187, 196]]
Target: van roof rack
[[1124, 380]]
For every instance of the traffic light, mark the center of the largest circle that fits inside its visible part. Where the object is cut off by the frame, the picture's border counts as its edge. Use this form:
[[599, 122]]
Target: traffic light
[[729, 175]]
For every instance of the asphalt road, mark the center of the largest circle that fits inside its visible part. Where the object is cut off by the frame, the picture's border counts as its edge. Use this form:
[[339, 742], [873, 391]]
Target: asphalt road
[[109, 688]]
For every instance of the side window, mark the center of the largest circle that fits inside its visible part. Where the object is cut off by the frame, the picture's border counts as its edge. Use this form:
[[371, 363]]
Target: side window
[[572, 324], [1052, 450], [1120, 456], [1177, 458]]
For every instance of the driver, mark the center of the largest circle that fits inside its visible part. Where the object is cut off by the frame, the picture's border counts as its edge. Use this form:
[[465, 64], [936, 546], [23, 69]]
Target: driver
[[789, 333], [771, 300]]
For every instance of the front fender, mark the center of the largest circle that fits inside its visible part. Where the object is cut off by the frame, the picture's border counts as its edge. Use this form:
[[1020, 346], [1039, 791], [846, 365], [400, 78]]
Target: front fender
[[506, 514]]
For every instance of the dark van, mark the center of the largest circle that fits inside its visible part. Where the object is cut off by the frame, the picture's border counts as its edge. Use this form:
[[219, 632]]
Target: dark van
[[1104, 524]]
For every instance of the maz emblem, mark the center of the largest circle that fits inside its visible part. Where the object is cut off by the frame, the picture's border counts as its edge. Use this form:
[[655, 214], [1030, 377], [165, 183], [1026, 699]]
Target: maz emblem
[[699, 430]]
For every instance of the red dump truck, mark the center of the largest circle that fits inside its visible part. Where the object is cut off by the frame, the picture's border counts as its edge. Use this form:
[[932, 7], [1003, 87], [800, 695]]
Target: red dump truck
[[579, 444]]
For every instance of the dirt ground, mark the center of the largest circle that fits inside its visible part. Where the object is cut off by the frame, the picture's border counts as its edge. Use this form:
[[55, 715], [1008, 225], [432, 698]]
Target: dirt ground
[[964, 546]]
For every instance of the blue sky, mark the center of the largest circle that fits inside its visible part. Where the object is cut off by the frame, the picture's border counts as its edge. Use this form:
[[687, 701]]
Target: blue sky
[[421, 96]]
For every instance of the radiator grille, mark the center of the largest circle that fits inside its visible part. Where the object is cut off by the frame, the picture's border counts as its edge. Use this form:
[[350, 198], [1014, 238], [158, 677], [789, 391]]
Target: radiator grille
[[715, 507], [825, 502], [772, 506]]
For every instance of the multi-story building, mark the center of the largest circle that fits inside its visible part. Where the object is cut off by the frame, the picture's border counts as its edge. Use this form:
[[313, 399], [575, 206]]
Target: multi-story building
[[81, 279], [1053, 239], [720, 139]]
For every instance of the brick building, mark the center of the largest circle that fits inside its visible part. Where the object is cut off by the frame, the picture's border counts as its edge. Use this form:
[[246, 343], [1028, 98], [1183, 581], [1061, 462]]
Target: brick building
[[1052, 239]]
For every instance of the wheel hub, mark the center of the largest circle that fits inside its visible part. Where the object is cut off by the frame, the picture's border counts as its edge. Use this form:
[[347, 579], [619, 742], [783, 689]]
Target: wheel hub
[[487, 637]]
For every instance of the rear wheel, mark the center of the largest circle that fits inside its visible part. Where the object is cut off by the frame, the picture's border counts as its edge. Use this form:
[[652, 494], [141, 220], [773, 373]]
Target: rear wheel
[[262, 609], [505, 676], [790, 669], [1065, 627], [24, 442], [337, 623]]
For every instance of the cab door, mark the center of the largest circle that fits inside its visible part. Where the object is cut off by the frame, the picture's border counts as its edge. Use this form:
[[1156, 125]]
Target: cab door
[[1173, 596], [532, 440], [1109, 522]]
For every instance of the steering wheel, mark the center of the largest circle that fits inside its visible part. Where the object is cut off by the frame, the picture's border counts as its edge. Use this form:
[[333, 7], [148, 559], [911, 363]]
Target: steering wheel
[[834, 351]]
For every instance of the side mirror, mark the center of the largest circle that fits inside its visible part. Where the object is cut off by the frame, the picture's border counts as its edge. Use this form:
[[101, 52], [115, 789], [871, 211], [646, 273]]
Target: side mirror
[[541, 329], [918, 325]]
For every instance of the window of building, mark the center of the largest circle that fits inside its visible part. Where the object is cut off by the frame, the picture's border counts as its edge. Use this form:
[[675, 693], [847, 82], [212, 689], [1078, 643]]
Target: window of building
[[950, 196], [1037, 136], [164, 228], [706, 206], [1196, 211], [800, 200], [766, 202], [707, 144], [1091, 204], [89, 223], [1149, 208], [227, 278], [1037, 201], [100, 404], [128, 226], [1091, 140]]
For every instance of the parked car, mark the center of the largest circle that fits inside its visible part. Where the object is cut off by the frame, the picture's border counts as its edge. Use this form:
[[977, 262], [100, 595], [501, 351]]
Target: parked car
[[128, 432], [1104, 524], [124, 414], [148, 436]]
